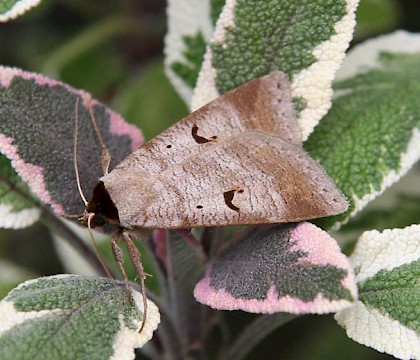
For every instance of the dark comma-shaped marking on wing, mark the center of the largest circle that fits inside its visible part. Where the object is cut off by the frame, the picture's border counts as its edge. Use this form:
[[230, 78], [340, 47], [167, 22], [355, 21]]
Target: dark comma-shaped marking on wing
[[199, 139], [229, 195]]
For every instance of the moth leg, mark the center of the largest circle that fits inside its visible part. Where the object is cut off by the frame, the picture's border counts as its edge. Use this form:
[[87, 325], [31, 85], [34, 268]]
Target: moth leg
[[134, 254], [119, 258]]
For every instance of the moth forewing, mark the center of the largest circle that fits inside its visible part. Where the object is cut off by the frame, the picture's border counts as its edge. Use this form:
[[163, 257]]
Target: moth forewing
[[262, 104], [237, 160], [250, 178]]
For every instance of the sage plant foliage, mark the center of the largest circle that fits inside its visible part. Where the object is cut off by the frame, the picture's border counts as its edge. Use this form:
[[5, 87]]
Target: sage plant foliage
[[360, 123]]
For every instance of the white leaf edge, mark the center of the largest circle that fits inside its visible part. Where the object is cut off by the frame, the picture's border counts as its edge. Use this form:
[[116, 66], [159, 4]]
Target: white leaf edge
[[11, 219], [185, 18], [126, 339], [369, 327], [10, 316], [362, 58], [19, 8], [313, 84], [376, 251]]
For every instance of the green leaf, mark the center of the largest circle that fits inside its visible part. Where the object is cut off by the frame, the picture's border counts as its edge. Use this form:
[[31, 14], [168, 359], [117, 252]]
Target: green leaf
[[73, 317], [37, 135], [185, 48], [10, 9], [387, 315], [370, 137], [195, 47], [189, 29], [304, 39], [395, 293], [18, 207]]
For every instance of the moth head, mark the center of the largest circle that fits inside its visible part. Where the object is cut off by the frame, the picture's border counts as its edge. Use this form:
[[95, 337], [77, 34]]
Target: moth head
[[100, 210]]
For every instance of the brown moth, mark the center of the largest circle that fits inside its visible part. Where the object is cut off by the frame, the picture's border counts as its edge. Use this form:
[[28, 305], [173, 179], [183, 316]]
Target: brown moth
[[237, 160]]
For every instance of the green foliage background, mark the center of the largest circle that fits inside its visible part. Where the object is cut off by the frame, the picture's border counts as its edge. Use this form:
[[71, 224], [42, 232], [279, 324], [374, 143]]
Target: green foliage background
[[113, 49]]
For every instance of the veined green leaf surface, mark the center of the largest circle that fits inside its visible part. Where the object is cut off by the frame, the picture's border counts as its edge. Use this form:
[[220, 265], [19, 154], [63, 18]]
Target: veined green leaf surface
[[73, 317], [305, 39], [386, 317], [370, 137]]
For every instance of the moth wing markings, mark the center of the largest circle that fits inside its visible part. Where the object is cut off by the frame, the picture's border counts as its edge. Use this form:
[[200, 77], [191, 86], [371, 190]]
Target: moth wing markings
[[279, 182], [262, 104]]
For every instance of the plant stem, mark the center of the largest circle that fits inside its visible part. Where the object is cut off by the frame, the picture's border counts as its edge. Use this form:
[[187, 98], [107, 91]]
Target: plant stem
[[254, 333]]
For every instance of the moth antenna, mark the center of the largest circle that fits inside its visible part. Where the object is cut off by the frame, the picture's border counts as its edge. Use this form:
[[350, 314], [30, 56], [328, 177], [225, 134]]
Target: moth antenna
[[76, 167], [106, 156]]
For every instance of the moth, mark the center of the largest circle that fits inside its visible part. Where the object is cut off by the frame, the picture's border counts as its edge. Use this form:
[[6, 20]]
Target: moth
[[237, 160]]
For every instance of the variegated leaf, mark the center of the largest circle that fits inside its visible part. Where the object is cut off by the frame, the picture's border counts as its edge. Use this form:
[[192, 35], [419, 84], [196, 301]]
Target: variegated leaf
[[73, 317], [295, 268], [306, 40], [37, 133], [370, 137], [387, 315], [189, 30]]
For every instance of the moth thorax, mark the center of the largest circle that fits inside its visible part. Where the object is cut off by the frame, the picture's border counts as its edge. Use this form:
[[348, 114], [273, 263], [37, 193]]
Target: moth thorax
[[102, 207]]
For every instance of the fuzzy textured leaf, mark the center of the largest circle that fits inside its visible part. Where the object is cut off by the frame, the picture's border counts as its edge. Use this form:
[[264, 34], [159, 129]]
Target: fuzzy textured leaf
[[73, 317], [305, 39], [387, 315], [37, 132], [290, 268], [10, 9], [377, 137]]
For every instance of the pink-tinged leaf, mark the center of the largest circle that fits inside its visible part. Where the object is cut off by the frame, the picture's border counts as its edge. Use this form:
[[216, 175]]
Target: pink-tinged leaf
[[295, 268], [37, 131]]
